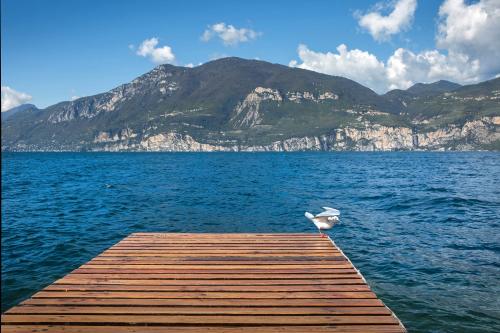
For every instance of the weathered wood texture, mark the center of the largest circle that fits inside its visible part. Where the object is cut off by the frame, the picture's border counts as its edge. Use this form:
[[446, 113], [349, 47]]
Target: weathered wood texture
[[161, 282]]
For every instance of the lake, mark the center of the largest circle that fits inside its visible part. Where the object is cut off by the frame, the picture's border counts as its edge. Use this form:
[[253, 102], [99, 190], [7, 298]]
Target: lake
[[423, 228]]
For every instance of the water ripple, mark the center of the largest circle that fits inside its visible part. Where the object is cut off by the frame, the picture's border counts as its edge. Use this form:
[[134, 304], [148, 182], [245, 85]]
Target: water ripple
[[423, 228]]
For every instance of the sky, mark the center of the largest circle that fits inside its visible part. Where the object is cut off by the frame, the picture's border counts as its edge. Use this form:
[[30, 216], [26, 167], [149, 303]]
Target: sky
[[55, 50]]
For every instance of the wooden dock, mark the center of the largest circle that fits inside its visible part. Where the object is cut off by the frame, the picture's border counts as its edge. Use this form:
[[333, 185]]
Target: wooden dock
[[166, 282]]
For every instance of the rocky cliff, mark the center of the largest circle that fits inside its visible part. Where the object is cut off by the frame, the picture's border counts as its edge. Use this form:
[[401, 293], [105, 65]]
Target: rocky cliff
[[243, 105], [374, 137]]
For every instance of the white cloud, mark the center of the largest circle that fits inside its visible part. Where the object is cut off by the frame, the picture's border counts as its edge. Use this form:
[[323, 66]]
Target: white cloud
[[357, 65], [12, 98], [469, 35], [229, 34], [403, 69], [472, 30], [383, 27], [74, 98], [159, 55]]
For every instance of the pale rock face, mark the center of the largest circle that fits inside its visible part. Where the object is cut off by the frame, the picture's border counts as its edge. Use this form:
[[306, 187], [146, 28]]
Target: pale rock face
[[377, 137], [246, 113], [375, 113], [370, 138], [268, 93], [294, 96], [156, 80], [383, 138], [308, 95], [328, 95], [298, 97], [124, 134], [177, 142], [103, 137], [292, 144], [306, 143], [483, 131]]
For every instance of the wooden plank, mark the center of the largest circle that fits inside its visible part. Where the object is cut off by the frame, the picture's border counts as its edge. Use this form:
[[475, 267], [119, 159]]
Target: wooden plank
[[208, 276], [265, 267], [311, 302], [217, 261], [194, 255], [215, 234], [210, 234], [197, 282], [227, 254], [208, 283], [298, 244], [224, 251], [227, 243], [200, 329], [181, 295], [199, 319], [202, 234], [183, 310], [262, 271], [220, 264], [203, 288], [223, 243]]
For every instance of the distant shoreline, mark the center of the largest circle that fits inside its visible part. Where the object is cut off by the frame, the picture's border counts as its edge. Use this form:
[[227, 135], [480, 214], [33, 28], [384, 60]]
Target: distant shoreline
[[247, 152]]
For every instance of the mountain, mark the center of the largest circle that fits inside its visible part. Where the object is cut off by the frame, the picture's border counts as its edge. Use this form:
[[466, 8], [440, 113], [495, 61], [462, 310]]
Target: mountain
[[399, 97], [420, 90], [432, 89], [234, 104], [21, 108], [459, 106]]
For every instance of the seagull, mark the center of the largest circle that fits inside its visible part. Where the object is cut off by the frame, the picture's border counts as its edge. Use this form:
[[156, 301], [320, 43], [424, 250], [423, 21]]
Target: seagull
[[325, 220], [336, 211]]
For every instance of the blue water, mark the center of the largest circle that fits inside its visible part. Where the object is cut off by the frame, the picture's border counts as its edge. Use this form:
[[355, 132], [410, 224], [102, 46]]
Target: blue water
[[423, 228]]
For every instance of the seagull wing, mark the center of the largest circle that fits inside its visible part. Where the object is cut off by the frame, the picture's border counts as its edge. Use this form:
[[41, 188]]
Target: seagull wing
[[328, 213], [329, 209]]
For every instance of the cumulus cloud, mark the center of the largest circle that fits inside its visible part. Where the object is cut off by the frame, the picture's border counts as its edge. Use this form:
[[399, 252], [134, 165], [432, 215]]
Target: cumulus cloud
[[357, 65], [383, 27], [12, 98], [472, 30], [229, 34], [159, 55], [467, 35], [403, 68]]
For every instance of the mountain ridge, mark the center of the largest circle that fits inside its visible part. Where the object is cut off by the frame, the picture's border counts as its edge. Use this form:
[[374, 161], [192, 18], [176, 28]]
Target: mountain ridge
[[237, 104], [433, 88], [20, 108]]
